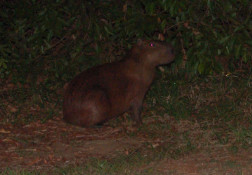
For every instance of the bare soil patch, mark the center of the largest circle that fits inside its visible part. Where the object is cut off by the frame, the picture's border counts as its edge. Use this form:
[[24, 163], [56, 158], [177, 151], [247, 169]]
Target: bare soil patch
[[218, 160], [55, 143], [44, 146]]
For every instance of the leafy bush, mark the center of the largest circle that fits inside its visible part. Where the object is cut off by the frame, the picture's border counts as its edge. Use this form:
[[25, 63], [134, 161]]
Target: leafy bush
[[59, 38]]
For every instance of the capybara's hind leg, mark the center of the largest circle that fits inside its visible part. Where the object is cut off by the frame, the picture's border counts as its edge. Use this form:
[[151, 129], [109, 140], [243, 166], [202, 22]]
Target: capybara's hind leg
[[95, 108]]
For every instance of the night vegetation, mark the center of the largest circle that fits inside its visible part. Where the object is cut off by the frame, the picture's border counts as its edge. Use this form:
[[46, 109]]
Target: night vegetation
[[56, 37], [201, 102]]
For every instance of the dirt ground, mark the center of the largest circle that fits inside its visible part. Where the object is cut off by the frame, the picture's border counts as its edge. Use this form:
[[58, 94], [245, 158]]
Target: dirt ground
[[40, 146], [217, 161]]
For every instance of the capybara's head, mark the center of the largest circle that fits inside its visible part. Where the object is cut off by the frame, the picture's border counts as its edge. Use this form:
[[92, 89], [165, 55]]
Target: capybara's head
[[153, 52]]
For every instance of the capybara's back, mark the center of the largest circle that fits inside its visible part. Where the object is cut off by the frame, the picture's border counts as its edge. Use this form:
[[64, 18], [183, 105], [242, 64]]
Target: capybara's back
[[106, 91]]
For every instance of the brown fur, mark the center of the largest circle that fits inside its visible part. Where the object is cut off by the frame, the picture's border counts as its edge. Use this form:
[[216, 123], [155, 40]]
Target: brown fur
[[106, 91]]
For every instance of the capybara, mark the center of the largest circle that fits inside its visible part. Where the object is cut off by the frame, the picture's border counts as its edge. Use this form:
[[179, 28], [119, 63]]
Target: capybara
[[106, 91]]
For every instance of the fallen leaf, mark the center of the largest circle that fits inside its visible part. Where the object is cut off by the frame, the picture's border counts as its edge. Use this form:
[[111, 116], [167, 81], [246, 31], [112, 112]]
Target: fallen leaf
[[7, 140], [12, 108], [154, 145], [3, 131], [34, 161], [126, 152]]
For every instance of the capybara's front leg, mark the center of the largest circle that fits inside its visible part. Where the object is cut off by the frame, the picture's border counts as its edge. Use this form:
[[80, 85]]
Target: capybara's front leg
[[135, 113]]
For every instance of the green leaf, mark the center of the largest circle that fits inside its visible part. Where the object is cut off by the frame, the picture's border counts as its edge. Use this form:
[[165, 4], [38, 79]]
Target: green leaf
[[237, 52], [107, 30], [201, 68], [150, 7], [163, 24], [238, 28], [224, 39]]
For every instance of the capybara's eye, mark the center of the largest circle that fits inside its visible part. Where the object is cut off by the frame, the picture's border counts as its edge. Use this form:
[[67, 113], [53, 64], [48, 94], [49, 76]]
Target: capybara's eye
[[152, 45]]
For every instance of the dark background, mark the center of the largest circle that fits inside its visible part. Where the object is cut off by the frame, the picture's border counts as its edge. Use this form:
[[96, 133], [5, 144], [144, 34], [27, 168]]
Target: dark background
[[57, 39]]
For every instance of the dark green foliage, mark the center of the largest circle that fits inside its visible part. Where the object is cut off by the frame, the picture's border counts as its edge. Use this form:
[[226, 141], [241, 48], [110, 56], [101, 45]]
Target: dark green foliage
[[60, 38]]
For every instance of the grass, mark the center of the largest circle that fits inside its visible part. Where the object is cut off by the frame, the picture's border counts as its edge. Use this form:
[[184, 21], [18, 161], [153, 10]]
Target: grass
[[28, 103], [20, 172], [181, 116]]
